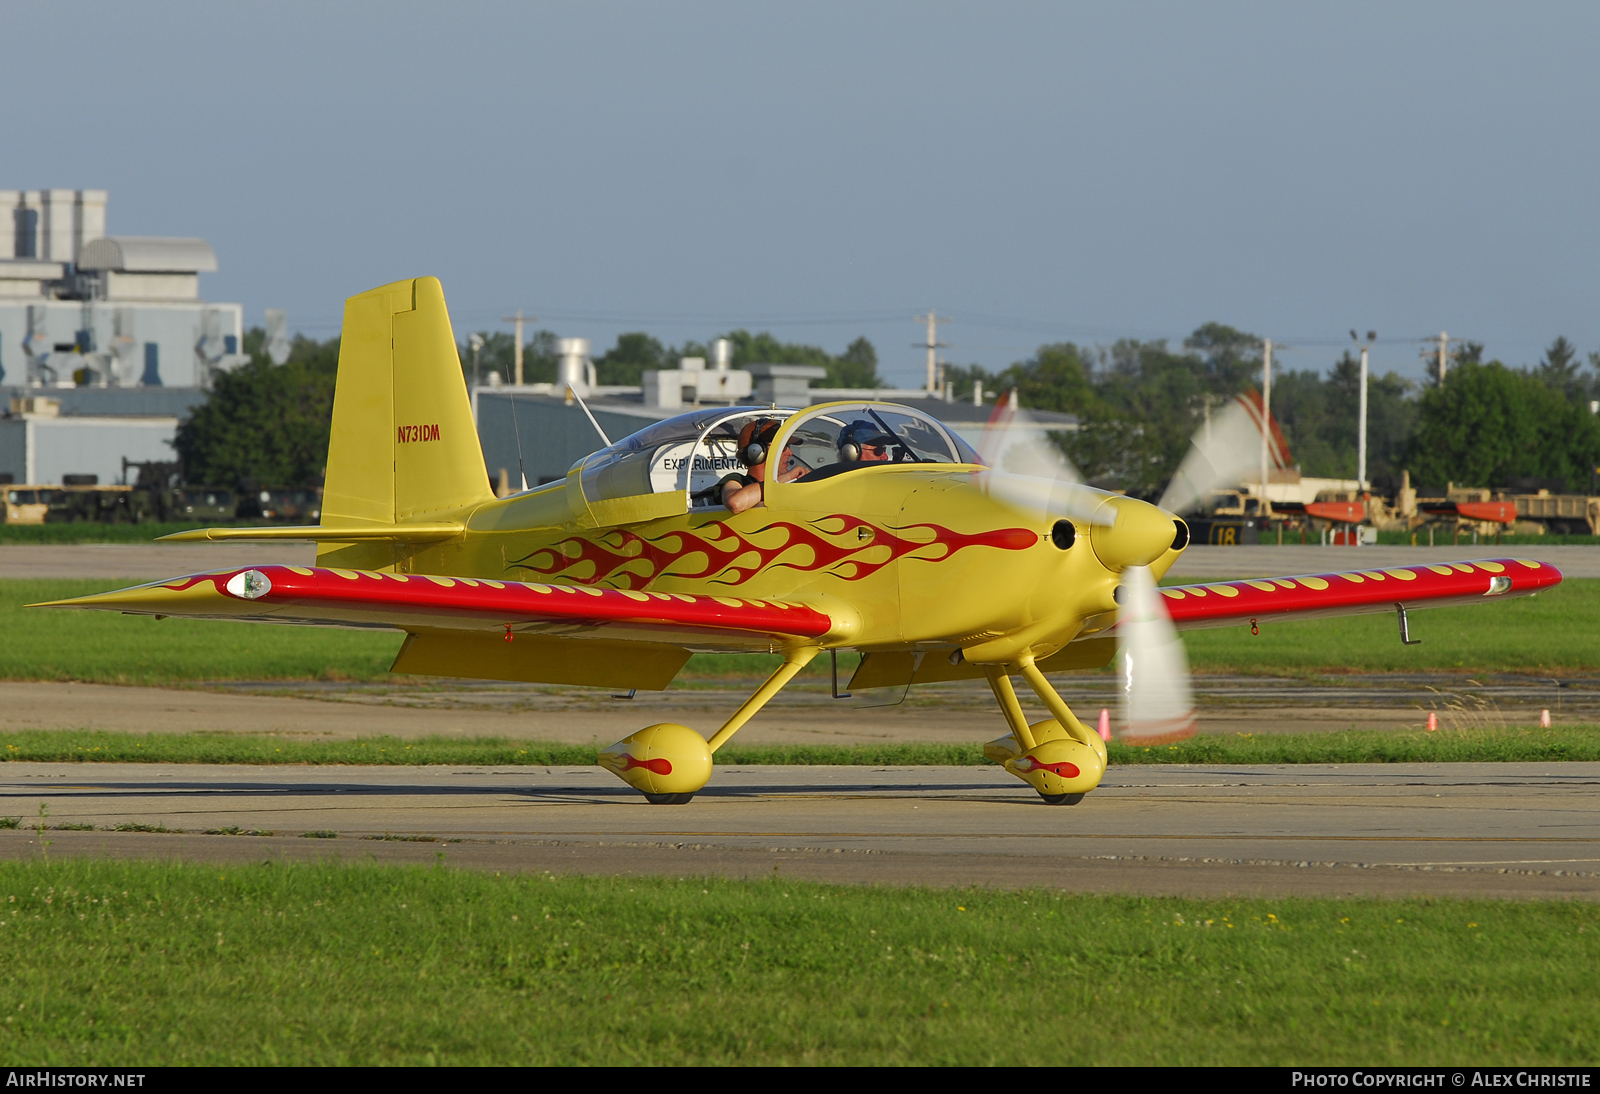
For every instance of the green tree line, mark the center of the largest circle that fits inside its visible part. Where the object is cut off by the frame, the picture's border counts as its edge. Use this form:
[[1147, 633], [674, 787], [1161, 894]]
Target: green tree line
[[264, 424], [1138, 404], [268, 425]]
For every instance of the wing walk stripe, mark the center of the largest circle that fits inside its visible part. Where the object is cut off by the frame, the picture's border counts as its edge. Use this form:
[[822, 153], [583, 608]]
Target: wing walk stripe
[[1360, 590]]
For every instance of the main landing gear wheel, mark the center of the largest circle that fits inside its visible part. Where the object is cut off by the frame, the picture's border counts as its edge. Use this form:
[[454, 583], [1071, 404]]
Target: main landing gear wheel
[[1061, 799], [667, 763]]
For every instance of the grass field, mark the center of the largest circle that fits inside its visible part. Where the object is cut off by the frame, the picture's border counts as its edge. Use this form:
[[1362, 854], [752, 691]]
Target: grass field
[[90, 533], [1580, 742], [1553, 633], [105, 647], [1442, 538], [148, 964]]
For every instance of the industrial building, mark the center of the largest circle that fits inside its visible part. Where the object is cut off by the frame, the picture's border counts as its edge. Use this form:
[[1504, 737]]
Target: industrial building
[[110, 331]]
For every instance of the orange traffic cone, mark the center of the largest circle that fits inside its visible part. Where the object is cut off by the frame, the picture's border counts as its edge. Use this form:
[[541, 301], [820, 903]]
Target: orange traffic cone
[[1433, 722], [1105, 724]]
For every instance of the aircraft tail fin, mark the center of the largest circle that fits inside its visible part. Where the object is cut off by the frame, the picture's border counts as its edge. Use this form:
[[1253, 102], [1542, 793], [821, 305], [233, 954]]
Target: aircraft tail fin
[[403, 448]]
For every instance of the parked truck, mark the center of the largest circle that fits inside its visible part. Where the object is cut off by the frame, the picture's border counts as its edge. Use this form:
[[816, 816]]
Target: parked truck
[[26, 503], [1558, 514], [1233, 517]]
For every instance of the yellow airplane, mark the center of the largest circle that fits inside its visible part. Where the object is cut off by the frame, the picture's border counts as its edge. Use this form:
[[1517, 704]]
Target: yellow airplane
[[880, 530]]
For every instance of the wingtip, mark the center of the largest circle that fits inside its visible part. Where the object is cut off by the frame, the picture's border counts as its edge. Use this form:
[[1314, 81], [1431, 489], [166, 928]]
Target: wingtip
[[89, 601]]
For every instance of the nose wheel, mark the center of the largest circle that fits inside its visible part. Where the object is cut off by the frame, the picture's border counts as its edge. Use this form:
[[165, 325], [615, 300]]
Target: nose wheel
[[1059, 757], [679, 799]]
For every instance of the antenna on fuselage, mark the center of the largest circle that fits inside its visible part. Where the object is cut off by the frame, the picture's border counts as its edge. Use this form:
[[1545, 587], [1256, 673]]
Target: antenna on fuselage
[[574, 393], [518, 430]]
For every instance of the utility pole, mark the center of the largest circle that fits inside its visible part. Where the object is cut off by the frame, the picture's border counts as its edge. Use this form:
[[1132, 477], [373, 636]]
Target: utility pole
[[932, 345], [519, 319], [1207, 401], [1444, 355], [1266, 418], [1361, 417]]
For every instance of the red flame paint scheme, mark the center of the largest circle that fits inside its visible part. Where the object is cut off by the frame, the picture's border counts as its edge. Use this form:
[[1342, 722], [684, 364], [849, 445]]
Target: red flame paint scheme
[[369, 597], [1063, 769], [660, 765], [627, 560]]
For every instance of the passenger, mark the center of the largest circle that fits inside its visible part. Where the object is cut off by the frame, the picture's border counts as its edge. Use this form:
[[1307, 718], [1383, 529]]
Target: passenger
[[741, 492]]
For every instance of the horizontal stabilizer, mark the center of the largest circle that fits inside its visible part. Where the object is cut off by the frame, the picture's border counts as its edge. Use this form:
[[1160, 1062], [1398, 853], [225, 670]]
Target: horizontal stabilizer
[[419, 532]]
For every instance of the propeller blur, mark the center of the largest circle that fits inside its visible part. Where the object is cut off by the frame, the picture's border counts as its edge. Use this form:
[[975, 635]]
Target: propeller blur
[[1222, 453], [1156, 700], [1030, 471]]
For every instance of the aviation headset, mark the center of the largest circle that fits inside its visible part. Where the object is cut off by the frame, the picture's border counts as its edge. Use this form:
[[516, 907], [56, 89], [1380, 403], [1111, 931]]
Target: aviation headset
[[755, 439], [857, 434]]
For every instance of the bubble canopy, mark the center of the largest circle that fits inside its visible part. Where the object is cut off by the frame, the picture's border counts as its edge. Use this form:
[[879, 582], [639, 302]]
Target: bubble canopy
[[835, 438], [693, 452]]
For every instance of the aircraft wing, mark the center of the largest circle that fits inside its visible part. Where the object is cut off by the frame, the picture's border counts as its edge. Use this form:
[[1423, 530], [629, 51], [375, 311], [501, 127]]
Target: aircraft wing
[[364, 598], [485, 629], [1355, 592]]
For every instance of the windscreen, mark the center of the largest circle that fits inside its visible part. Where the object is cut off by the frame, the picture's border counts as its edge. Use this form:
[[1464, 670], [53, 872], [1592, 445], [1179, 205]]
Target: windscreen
[[835, 439]]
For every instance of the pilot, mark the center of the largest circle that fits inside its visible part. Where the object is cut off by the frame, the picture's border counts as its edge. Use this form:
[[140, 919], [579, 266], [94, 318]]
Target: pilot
[[741, 492]]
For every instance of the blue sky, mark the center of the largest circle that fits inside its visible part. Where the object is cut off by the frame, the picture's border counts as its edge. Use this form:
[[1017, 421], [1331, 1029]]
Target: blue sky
[[1041, 172]]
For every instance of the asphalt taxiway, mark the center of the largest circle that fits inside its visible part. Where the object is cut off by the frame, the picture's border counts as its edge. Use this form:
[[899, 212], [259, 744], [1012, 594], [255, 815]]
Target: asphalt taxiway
[[804, 713], [1462, 830]]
